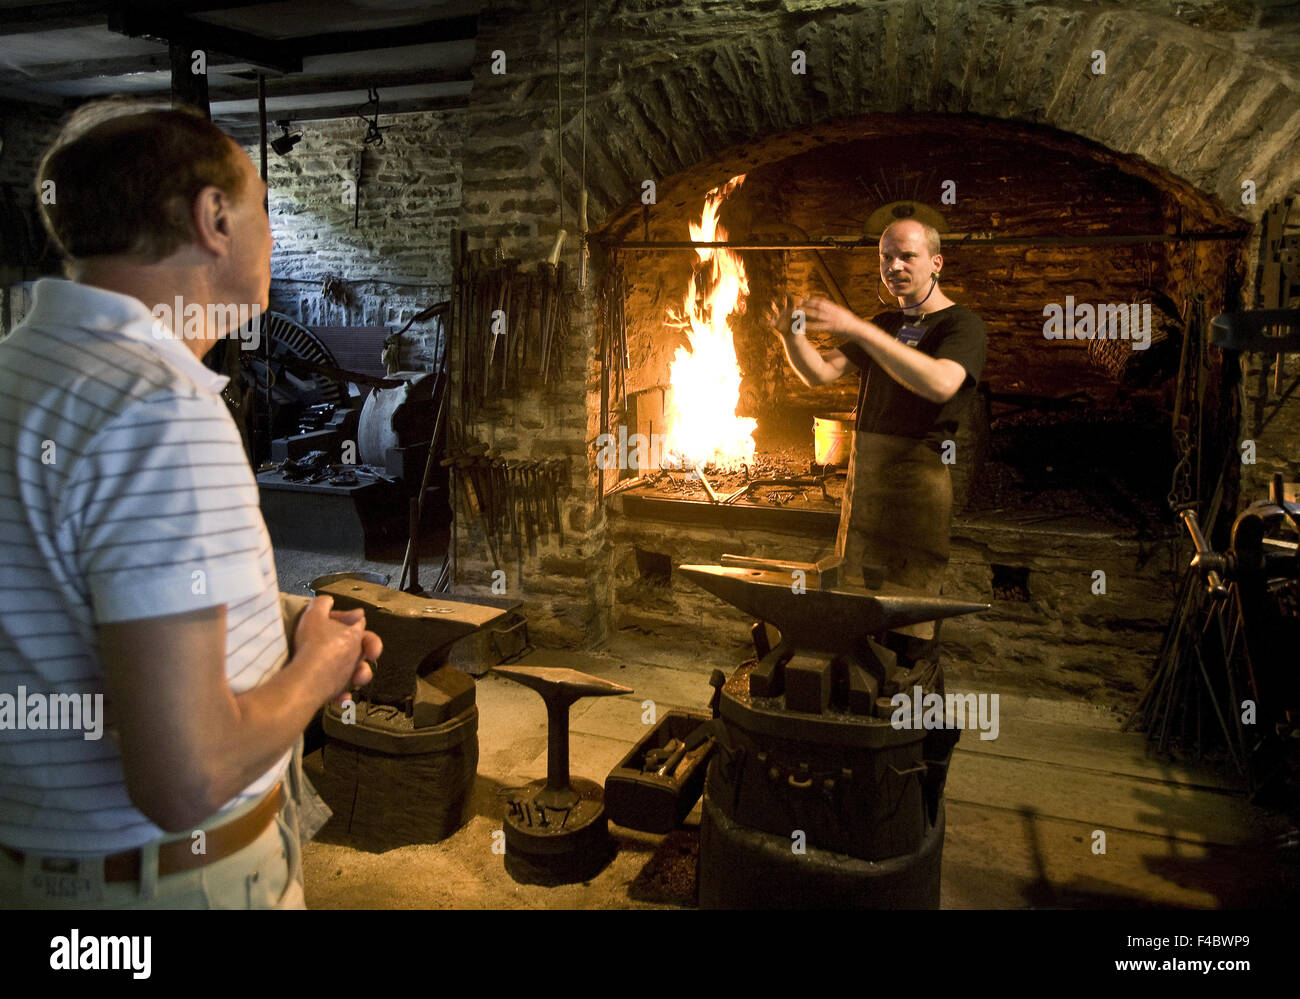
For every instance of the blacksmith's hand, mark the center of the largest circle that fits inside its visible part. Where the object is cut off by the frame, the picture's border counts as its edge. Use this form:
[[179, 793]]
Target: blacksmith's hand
[[824, 316], [779, 317]]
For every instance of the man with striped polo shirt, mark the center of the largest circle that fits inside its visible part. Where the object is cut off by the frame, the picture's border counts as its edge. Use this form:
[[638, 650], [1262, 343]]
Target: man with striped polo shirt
[[149, 702]]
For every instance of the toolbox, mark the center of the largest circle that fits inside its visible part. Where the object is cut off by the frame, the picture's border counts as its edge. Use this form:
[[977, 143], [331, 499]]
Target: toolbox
[[657, 784]]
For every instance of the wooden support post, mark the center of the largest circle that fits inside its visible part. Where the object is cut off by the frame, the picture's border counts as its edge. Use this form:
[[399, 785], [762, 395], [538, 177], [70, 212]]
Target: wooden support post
[[189, 87]]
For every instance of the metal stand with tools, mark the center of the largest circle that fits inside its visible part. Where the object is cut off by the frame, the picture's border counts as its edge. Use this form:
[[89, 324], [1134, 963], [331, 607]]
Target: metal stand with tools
[[556, 830]]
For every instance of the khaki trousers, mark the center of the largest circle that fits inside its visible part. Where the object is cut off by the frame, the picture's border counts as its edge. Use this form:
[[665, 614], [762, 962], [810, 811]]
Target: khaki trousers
[[266, 874]]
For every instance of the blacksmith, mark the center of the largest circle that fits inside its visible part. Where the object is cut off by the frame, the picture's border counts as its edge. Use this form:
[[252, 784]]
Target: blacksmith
[[918, 368]]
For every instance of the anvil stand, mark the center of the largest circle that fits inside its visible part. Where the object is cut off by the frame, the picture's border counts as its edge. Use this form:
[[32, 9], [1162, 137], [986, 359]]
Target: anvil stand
[[556, 831], [808, 743], [401, 760]]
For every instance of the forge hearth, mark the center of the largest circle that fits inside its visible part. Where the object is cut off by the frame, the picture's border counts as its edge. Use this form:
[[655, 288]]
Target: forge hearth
[[1064, 463], [1050, 412], [1070, 454]]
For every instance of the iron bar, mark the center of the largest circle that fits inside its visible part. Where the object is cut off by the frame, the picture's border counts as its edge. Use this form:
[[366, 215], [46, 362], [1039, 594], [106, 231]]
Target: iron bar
[[949, 239]]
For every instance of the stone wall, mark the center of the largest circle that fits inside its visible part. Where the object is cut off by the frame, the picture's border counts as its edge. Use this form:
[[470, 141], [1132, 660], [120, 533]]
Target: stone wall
[[395, 259], [1055, 626], [1050, 628], [690, 94], [26, 132], [394, 262]]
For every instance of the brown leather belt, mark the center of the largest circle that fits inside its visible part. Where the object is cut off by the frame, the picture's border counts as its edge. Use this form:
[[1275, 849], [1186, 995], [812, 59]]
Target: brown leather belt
[[178, 856]]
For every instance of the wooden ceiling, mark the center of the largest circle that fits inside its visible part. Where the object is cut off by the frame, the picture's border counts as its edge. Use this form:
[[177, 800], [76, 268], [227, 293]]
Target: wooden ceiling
[[319, 57]]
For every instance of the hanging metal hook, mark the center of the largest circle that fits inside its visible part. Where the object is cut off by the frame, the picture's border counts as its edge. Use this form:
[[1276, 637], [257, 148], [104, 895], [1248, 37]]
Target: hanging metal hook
[[374, 134]]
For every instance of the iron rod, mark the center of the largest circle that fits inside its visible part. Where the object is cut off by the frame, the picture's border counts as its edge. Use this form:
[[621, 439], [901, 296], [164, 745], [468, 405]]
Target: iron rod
[[950, 239]]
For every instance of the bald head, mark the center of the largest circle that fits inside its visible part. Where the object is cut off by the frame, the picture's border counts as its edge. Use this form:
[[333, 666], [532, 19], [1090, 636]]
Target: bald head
[[910, 264], [906, 229]]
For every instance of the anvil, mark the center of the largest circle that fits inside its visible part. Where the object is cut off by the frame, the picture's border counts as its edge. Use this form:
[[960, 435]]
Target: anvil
[[412, 673], [556, 831], [832, 620]]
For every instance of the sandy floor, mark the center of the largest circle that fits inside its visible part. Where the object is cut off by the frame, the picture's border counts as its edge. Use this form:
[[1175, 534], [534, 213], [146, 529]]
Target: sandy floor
[[1023, 811]]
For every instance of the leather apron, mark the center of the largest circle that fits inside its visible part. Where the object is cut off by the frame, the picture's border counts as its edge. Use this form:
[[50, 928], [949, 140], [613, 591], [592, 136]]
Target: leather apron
[[897, 513]]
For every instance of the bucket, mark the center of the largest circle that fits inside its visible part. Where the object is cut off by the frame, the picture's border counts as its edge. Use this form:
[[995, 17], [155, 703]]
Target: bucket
[[832, 438], [364, 576]]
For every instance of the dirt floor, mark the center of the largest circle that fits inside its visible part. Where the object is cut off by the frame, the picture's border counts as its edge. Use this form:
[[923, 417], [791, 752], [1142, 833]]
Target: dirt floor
[[1061, 810]]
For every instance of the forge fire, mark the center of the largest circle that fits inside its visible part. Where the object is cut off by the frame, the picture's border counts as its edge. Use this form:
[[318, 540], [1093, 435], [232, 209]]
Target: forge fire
[[703, 428]]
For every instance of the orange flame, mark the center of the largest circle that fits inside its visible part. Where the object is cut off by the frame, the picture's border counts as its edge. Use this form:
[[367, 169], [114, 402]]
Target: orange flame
[[703, 428]]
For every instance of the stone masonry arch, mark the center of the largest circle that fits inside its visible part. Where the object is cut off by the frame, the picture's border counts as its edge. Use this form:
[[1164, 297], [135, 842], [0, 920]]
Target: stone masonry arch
[[1180, 97]]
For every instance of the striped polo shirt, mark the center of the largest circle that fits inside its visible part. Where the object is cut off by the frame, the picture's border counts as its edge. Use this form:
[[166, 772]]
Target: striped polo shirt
[[124, 494]]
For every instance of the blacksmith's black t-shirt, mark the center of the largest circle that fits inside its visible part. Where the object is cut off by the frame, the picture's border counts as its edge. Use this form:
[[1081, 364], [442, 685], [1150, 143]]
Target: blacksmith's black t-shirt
[[886, 407]]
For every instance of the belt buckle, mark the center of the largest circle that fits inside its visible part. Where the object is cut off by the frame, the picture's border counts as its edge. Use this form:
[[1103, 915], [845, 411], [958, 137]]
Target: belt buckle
[[62, 881]]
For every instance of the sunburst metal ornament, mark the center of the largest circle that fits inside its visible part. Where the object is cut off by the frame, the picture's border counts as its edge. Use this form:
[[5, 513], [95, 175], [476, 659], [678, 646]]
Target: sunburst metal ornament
[[885, 215]]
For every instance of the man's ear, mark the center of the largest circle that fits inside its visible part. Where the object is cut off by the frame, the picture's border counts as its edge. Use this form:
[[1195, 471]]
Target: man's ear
[[937, 263], [208, 216]]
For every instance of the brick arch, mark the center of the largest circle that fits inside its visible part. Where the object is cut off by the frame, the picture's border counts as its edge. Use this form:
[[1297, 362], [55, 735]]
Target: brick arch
[[1175, 96]]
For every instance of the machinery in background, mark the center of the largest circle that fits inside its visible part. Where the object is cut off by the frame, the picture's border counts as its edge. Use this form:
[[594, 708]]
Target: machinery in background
[[342, 456], [1227, 678]]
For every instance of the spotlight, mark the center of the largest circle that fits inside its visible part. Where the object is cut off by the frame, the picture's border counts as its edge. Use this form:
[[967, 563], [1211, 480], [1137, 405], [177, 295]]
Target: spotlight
[[285, 142]]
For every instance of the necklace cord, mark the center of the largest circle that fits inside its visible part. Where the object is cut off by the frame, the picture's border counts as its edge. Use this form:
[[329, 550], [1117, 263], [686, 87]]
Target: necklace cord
[[934, 283]]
